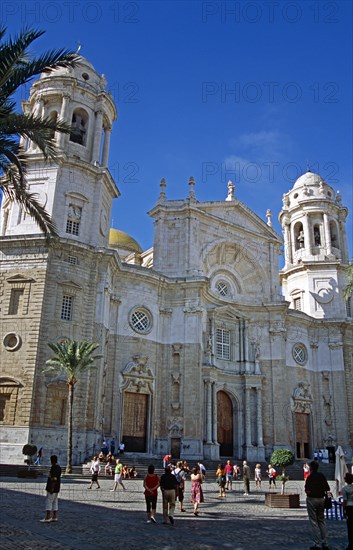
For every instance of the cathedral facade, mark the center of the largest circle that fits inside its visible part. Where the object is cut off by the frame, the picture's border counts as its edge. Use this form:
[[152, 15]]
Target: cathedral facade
[[207, 349]]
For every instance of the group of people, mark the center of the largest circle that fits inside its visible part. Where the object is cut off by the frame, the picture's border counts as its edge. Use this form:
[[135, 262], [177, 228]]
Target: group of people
[[112, 467], [172, 485], [227, 473]]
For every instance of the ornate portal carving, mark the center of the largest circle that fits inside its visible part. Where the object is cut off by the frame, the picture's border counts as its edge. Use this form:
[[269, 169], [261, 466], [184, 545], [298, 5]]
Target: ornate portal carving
[[302, 398], [137, 376], [175, 426]]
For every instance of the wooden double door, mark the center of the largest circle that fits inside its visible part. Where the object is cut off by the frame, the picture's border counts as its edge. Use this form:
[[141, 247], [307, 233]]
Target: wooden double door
[[135, 417], [225, 424], [302, 433]]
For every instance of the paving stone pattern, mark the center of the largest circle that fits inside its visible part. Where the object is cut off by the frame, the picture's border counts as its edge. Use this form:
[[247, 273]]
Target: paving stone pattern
[[99, 519]]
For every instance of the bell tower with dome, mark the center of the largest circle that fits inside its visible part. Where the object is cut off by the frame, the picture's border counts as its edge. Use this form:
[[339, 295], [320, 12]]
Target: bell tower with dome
[[77, 190], [313, 220]]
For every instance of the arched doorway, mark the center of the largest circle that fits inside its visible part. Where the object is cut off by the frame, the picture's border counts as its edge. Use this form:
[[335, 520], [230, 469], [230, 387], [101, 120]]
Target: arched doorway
[[135, 421], [224, 424], [302, 431], [136, 393]]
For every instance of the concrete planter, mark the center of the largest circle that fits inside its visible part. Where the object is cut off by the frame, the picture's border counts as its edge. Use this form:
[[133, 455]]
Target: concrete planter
[[276, 500], [27, 473]]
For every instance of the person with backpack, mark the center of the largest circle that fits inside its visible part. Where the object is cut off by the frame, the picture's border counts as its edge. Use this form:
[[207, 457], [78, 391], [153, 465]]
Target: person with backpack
[[180, 475]]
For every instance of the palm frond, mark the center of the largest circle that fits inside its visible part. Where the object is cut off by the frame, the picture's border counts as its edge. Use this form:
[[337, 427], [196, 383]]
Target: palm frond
[[17, 67], [72, 358]]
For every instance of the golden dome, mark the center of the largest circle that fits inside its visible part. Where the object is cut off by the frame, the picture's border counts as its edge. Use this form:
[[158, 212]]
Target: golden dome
[[119, 239]]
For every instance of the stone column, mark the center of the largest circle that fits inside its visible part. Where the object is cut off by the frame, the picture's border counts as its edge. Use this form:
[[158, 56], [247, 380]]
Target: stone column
[[343, 239], [327, 234], [106, 145], [63, 117], [38, 111], [247, 418], [214, 415], [288, 253], [39, 107], [97, 137], [259, 418], [307, 235], [208, 411], [292, 242]]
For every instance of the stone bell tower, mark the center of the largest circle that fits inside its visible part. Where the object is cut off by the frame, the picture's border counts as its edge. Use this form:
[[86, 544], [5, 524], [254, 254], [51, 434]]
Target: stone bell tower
[[78, 189], [313, 220]]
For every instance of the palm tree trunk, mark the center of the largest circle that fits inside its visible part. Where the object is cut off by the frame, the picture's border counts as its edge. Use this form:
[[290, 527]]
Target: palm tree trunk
[[69, 430]]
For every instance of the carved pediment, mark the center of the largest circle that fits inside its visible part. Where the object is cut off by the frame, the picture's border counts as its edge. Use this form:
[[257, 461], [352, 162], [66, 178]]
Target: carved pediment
[[15, 279], [302, 398], [137, 377], [227, 312]]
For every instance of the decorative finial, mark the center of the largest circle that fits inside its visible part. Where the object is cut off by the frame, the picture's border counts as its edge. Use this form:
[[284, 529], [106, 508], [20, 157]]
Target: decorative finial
[[338, 197], [308, 166], [269, 216], [79, 45], [162, 195], [231, 189], [192, 195]]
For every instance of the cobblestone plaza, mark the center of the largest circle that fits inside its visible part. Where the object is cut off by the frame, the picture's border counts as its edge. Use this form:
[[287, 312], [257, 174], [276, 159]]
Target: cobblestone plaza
[[99, 519]]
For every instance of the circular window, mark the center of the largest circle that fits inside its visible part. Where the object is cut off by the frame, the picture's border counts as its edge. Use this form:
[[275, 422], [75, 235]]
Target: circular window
[[222, 288], [140, 320], [85, 76], [12, 341], [300, 354], [295, 195]]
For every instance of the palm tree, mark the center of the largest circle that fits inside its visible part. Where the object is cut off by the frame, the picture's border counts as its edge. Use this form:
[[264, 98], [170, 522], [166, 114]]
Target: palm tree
[[17, 67], [71, 359], [348, 290]]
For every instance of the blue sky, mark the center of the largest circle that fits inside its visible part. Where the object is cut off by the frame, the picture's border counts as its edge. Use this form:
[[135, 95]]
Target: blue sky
[[248, 91]]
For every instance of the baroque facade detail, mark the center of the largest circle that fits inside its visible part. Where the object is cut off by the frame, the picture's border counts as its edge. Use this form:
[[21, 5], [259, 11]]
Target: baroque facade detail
[[201, 336]]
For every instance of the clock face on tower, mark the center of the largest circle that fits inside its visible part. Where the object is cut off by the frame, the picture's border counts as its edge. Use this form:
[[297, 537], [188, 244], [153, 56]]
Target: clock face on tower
[[103, 223]]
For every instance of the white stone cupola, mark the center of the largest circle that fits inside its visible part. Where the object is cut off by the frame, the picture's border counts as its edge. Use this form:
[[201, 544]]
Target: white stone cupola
[[315, 247], [78, 97], [77, 189]]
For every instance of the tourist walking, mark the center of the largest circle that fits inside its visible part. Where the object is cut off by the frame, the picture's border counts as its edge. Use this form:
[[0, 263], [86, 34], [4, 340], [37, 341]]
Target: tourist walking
[[95, 471], [246, 478], [52, 488], [306, 471], [118, 475], [315, 487], [202, 470], [196, 489], [151, 484], [347, 493], [228, 468], [271, 472], [38, 460], [221, 480], [258, 476], [180, 476], [168, 485]]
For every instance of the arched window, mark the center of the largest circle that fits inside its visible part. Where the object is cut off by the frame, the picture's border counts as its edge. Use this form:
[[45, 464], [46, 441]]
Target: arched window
[[56, 404], [317, 235], [334, 235], [9, 393], [80, 124], [53, 116], [299, 236]]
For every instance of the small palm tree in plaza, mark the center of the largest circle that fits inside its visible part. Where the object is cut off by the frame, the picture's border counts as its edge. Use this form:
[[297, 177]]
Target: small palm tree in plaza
[[17, 67], [71, 358]]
